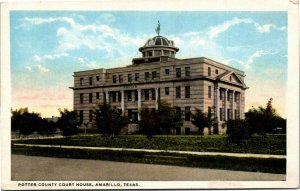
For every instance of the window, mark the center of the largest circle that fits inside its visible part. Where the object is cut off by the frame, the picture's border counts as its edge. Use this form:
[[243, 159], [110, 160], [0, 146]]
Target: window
[[166, 53], [187, 91], [91, 115], [209, 110], [146, 94], [129, 78], [228, 96], [178, 92], [136, 95], [178, 72], [81, 116], [150, 53], [209, 72], [119, 96], [153, 94], [167, 91], [235, 114], [91, 80], [157, 52], [97, 95], [153, 75], [217, 72], [81, 98], [147, 75], [230, 78], [120, 78], [172, 54], [114, 78], [187, 112], [187, 71], [178, 111], [97, 78], [81, 81], [137, 76], [187, 130], [167, 71], [209, 91], [221, 114], [228, 114], [129, 97], [90, 97], [114, 97], [221, 95]]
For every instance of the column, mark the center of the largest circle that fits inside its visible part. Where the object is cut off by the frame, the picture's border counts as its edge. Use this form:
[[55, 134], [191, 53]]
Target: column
[[217, 97], [122, 102], [225, 100], [107, 97], [139, 103], [232, 102], [239, 105], [156, 98]]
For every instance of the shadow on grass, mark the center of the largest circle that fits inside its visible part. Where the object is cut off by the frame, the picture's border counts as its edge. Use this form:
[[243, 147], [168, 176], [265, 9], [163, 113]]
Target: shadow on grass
[[269, 165]]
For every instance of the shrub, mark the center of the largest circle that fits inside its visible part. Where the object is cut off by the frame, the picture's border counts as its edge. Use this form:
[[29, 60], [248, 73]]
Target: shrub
[[238, 130]]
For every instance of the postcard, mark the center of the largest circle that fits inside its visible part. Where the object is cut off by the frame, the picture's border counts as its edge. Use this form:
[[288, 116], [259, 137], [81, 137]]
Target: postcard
[[150, 95]]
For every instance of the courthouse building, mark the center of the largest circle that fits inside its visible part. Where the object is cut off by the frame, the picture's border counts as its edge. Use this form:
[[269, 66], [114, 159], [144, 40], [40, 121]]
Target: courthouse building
[[187, 84]]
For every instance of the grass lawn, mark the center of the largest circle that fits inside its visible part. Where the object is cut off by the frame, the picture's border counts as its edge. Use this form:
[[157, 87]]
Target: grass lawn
[[272, 144]]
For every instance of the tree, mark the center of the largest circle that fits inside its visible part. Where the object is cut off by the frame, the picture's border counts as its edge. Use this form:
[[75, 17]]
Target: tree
[[167, 117], [47, 127], [264, 120], [109, 120], [149, 124], [24, 121], [68, 122], [202, 120], [238, 130]]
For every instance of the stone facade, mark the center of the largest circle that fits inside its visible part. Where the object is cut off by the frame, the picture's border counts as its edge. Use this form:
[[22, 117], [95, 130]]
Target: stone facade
[[185, 83]]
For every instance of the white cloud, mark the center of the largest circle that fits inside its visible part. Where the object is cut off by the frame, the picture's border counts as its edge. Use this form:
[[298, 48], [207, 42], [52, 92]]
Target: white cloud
[[37, 68], [107, 17], [42, 68], [267, 28], [249, 62], [216, 30], [88, 64], [39, 20], [29, 69], [38, 58], [96, 37]]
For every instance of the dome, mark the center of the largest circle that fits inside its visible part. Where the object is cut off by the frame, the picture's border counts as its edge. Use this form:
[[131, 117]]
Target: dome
[[159, 46], [159, 40]]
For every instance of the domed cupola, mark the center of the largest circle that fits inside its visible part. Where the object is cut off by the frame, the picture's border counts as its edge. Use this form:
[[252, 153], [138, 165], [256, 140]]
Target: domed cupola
[[159, 46]]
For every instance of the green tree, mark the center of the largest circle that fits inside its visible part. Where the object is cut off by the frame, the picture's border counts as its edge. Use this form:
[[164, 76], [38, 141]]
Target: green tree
[[47, 127], [109, 120], [202, 120], [263, 120], [167, 117], [24, 121], [238, 130], [149, 124], [68, 122]]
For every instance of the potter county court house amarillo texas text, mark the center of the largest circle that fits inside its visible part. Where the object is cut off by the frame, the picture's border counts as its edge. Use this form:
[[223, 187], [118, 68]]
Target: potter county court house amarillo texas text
[[187, 84]]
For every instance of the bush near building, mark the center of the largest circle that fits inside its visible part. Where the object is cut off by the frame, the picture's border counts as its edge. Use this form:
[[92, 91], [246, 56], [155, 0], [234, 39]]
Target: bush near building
[[264, 120], [109, 120], [68, 122]]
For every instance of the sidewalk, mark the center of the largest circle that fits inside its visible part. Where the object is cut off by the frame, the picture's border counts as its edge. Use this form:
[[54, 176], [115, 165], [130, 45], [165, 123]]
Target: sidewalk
[[241, 155]]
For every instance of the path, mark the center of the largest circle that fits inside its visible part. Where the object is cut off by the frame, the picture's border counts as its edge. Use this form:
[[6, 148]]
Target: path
[[25, 168]]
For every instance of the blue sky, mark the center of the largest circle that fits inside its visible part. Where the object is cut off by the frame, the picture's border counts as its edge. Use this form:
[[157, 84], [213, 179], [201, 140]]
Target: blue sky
[[48, 46]]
